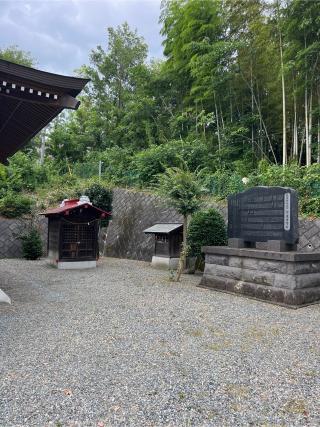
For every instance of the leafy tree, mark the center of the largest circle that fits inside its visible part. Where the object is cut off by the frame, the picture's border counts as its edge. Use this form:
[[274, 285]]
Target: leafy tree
[[18, 56], [182, 189]]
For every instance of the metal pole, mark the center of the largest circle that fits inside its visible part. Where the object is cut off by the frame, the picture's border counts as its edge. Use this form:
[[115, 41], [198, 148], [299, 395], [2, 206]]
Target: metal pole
[[100, 169], [43, 147]]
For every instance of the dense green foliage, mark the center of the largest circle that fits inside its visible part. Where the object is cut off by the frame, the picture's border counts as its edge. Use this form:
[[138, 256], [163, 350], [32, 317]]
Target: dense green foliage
[[100, 196], [32, 244], [206, 228], [181, 188], [236, 95], [14, 205], [23, 174], [16, 55]]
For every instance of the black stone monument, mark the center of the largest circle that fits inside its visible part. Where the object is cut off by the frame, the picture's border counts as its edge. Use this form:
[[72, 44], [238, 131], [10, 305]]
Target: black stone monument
[[264, 214], [278, 273]]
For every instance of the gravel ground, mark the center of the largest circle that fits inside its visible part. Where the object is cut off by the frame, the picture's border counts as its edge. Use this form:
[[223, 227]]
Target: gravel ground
[[121, 345]]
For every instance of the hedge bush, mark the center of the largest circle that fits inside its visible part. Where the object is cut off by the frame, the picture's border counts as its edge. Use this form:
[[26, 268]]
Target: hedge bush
[[14, 205], [207, 228]]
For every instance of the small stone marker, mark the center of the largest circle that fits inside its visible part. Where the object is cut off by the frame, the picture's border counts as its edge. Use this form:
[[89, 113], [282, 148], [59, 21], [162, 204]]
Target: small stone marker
[[264, 214]]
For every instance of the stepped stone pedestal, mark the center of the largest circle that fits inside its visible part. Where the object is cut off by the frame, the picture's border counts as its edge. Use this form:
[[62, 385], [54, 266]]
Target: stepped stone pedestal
[[287, 278]]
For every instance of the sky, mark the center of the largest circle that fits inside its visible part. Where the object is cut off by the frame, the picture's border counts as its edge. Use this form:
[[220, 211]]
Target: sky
[[60, 34]]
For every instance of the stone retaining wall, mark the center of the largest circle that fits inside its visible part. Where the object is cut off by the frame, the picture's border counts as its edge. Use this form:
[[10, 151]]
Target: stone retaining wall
[[12, 229], [133, 211]]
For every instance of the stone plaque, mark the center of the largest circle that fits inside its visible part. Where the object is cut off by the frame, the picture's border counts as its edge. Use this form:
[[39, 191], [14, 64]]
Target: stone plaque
[[263, 214]]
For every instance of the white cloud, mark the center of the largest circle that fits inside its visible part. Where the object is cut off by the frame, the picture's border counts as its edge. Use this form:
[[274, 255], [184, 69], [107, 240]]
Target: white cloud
[[61, 33]]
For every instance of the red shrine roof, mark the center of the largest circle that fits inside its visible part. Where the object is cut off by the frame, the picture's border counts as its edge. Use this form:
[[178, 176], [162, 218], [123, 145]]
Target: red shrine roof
[[71, 204]]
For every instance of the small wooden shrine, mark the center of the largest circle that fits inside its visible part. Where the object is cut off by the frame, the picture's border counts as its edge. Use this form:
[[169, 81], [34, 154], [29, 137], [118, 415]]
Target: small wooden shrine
[[73, 233], [167, 246]]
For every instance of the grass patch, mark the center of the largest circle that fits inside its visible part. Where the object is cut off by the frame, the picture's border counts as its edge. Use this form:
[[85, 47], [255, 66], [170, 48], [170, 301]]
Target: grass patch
[[219, 346], [296, 406], [195, 332]]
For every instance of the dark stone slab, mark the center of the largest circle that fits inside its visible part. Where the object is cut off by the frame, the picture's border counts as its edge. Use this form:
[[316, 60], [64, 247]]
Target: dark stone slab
[[257, 253], [281, 246], [263, 214]]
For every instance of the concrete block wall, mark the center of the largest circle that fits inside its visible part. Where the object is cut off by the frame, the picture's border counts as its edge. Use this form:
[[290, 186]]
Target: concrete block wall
[[133, 211], [12, 229]]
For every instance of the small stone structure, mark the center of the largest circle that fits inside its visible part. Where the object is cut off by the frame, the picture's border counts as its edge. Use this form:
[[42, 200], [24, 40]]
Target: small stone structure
[[167, 244], [278, 274], [73, 234]]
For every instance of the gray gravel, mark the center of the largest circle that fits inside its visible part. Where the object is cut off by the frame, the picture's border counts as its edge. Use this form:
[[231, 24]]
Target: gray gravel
[[123, 346]]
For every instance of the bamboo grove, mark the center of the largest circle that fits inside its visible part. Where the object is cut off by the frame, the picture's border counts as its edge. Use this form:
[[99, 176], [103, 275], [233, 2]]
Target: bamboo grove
[[241, 76], [253, 68]]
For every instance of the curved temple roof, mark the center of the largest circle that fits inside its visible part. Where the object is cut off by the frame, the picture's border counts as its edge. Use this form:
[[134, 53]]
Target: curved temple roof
[[29, 100], [72, 204]]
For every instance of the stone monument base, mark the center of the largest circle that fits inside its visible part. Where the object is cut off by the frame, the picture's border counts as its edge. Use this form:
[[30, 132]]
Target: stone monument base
[[287, 278]]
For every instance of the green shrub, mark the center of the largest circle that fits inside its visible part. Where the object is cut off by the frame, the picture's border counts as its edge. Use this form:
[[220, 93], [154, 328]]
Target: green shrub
[[310, 206], [148, 164], [222, 183], [117, 165], [100, 196], [32, 244], [14, 205], [290, 176], [207, 228], [25, 173]]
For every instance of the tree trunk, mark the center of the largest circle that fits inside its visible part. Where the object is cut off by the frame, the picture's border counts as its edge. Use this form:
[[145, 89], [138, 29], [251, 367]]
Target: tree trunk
[[252, 106], [231, 108], [284, 118], [308, 154], [221, 115], [196, 118], [217, 120], [43, 147], [301, 148], [318, 140], [318, 133], [310, 129], [184, 251], [295, 129], [260, 124]]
